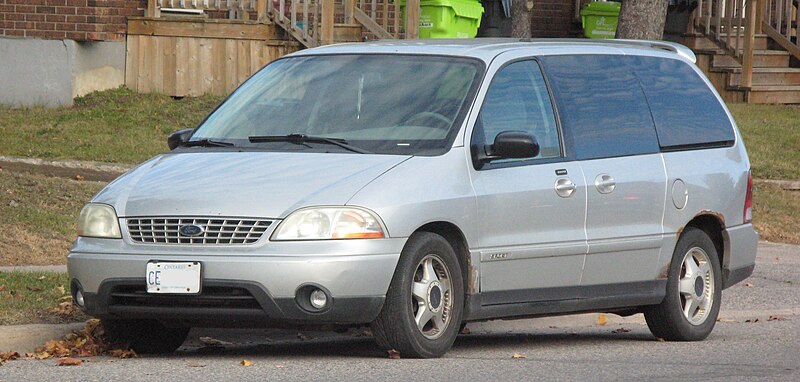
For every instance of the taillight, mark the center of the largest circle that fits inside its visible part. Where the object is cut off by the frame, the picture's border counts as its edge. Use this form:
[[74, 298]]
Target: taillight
[[748, 200]]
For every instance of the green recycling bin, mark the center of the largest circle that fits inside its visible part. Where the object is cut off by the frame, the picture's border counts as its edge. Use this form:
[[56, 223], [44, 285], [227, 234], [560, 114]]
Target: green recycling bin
[[600, 18], [447, 18]]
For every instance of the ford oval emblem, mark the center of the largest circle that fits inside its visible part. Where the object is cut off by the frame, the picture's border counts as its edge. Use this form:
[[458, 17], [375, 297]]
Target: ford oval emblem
[[191, 230]]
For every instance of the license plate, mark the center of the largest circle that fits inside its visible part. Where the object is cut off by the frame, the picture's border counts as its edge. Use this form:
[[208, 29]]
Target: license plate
[[173, 277]]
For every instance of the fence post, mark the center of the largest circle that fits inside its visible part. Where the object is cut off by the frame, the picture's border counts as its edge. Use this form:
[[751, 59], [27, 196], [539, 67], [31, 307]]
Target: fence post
[[412, 19], [261, 10], [328, 9], [153, 10], [349, 10], [749, 40], [761, 14]]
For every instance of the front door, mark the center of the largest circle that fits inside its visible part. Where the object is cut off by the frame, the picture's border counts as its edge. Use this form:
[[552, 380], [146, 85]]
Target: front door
[[531, 212]]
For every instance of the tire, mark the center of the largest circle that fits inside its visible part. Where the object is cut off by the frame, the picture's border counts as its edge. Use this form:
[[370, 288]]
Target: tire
[[694, 277], [144, 336], [437, 301]]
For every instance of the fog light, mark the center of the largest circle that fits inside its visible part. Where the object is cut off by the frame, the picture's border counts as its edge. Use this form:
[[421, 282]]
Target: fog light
[[318, 299], [79, 299]]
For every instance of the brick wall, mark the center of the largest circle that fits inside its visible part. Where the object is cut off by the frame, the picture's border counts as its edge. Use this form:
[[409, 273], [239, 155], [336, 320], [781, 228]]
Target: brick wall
[[79, 20], [554, 18]]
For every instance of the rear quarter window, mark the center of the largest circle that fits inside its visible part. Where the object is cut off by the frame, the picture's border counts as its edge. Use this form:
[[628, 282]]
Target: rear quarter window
[[602, 106], [686, 112]]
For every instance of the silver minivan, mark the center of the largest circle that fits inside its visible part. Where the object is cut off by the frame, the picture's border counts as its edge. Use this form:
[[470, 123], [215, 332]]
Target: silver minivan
[[414, 186]]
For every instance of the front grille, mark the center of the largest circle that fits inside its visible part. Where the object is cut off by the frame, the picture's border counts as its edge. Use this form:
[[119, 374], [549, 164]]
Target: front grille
[[166, 230], [212, 297]]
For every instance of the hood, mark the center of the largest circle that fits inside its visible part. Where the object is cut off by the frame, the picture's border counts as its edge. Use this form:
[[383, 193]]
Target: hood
[[242, 184]]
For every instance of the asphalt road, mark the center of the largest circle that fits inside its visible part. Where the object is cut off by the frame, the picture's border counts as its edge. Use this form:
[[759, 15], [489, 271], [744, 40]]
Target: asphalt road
[[564, 348]]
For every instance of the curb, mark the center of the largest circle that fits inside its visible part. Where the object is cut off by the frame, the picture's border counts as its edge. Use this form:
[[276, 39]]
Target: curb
[[35, 268], [26, 338]]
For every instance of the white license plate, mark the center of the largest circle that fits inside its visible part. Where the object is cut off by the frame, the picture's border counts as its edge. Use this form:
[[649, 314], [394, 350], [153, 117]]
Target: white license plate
[[173, 277]]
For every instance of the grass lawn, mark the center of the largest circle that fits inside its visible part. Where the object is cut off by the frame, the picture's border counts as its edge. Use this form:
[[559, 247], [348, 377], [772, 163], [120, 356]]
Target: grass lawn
[[38, 217], [38, 213], [32, 298], [772, 137], [117, 126]]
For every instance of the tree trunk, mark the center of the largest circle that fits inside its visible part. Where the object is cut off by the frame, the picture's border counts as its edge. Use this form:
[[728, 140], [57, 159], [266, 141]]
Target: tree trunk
[[642, 19], [520, 19]]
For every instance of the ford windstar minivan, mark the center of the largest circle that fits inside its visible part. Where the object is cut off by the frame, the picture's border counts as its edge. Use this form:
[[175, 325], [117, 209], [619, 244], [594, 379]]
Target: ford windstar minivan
[[415, 186]]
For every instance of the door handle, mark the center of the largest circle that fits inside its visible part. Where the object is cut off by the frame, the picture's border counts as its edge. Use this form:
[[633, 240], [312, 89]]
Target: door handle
[[564, 187], [605, 183]]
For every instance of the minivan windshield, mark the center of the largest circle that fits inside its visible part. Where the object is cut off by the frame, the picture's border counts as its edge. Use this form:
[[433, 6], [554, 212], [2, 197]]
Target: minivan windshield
[[352, 103]]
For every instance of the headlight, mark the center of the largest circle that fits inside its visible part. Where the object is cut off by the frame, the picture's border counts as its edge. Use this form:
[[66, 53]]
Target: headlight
[[329, 223], [98, 220]]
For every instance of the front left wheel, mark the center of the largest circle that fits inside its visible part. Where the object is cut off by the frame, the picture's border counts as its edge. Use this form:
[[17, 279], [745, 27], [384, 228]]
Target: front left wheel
[[422, 313]]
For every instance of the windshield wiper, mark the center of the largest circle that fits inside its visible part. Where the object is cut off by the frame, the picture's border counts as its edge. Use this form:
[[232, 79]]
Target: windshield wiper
[[205, 142], [303, 138]]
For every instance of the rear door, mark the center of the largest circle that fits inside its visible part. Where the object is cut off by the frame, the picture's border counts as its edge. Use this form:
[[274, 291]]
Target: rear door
[[531, 211], [604, 110]]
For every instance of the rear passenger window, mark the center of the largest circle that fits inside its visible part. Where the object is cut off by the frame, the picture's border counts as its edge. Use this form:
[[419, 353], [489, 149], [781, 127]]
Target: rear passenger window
[[518, 100], [601, 105], [685, 110]]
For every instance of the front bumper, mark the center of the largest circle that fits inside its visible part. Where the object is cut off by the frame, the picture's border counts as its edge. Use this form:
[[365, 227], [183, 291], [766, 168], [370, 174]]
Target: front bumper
[[238, 289]]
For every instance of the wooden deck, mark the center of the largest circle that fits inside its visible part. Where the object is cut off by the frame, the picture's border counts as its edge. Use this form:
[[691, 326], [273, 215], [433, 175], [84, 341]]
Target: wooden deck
[[190, 48]]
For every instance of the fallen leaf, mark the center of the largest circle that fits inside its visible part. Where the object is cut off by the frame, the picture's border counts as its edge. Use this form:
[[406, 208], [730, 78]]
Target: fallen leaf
[[9, 356], [120, 353], [465, 330], [602, 319], [196, 364], [42, 277], [394, 354], [752, 321], [303, 337], [518, 355], [776, 318], [3, 288], [279, 366], [79, 177], [60, 289], [620, 330], [748, 284], [246, 363], [725, 320], [659, 339], [34, 288], [68, 361]]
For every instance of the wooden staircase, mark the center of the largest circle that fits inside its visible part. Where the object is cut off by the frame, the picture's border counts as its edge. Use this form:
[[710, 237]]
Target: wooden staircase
[[755, 64]]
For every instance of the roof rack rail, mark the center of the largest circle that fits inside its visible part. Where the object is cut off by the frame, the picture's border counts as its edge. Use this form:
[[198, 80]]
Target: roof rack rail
[[665, 45]]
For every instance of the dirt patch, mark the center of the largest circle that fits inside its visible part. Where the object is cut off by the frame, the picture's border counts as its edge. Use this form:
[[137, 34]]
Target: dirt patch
[[20, 246]]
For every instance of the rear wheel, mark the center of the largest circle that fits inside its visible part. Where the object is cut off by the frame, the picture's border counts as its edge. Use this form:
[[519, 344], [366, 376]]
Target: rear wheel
[[424, 305], [694, 290], [144, 336]]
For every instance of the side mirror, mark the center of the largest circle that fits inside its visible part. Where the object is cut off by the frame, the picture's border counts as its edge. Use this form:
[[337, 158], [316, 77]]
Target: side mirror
[[177, 138], [512, 144]]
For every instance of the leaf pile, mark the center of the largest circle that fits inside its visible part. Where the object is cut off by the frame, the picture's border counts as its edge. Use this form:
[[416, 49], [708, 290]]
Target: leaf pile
[[88, 342]]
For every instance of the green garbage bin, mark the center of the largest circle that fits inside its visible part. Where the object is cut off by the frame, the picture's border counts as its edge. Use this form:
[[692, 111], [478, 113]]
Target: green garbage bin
[[600, 18], [447, 18]]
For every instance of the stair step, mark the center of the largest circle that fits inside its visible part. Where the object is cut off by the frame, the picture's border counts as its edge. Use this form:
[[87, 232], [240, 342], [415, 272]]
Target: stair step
[[766, 76], [761, 59], [775, 94]]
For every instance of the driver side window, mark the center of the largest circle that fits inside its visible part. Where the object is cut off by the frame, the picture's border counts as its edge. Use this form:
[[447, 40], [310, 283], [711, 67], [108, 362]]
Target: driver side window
[[518, 100]]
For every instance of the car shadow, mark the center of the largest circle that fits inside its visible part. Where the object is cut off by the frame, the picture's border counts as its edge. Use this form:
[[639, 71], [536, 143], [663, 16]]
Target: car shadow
[[365, 347]]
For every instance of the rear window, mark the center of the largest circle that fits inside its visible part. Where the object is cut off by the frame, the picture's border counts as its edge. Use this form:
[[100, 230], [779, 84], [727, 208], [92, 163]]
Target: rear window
[[601, 105], [685, 110]]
